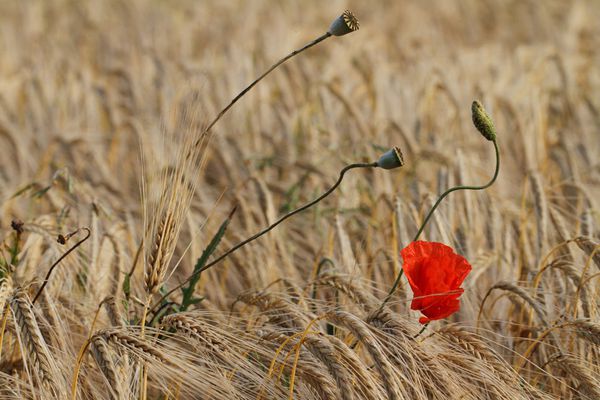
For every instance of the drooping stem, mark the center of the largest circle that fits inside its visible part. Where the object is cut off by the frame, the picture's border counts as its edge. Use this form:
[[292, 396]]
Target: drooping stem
[[437, 203], [270, 227], [47, 278]]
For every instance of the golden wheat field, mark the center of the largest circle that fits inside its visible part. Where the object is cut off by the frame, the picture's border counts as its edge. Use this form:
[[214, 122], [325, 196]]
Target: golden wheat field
[[116, 186]]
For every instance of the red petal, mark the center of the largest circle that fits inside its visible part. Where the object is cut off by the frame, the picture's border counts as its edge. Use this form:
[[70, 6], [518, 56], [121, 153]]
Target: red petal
[[443, 308], [432, 267], [433, 300], [435, 274]]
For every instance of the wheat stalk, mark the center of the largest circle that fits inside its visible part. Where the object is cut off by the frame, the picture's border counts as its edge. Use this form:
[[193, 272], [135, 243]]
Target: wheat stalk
[[134, 345], [354, 293], [541, 210], [278, 310], [591, 248], [474, 345], [587, 330], [309, 368], [361, 331], [31, 337], [104, 358], [589, 384]]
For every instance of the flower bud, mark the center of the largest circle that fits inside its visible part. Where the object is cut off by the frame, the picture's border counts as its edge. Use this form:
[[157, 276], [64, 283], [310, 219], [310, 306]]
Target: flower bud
[[482, 121], [391, 159], [343, 24]]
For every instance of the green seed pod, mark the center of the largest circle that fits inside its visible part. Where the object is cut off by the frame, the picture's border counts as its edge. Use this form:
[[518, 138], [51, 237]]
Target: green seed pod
[[391, 159], [482, 121], [344, 24]]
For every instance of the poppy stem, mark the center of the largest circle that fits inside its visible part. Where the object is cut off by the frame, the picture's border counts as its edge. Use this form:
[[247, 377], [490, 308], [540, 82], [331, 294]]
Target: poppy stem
[[251, 85], [447, 192], [76, 245], [421, 331], [268, 228], [437, 203]]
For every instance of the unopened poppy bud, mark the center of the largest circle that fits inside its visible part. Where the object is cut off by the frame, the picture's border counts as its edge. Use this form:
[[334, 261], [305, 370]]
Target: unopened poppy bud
[[391, 159], [482, 121], [344, 24]]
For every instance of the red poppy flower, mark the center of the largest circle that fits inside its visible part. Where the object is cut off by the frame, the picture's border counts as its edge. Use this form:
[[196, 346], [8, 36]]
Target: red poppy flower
[[435, 274]]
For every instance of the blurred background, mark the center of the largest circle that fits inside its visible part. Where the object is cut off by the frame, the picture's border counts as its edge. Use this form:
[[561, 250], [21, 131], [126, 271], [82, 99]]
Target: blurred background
[[84, 85]]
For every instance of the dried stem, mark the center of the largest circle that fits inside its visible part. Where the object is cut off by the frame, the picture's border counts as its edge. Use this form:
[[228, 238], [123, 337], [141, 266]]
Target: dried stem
[[47, 278]]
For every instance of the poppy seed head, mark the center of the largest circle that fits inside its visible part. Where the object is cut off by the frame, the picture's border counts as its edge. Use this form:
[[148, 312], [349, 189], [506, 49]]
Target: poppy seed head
[[482, 121], [391, 159], [344, 24]]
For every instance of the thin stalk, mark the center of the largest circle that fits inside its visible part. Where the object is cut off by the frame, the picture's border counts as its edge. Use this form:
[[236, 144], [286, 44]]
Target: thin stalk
[[421, 331], [267, 72], [215, 120], [47, 278], [269, 228], [437, 203], [447, 192]]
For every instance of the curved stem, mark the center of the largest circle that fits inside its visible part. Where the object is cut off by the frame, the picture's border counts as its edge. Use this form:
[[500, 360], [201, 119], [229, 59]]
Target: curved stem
[[447, 192], [269, 228], [421, 331], [437, 203], [47, 278], [247, 89], [215, 120]]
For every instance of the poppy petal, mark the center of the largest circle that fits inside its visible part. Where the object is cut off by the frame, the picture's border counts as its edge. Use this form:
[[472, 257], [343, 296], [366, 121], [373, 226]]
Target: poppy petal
[[435, 274]]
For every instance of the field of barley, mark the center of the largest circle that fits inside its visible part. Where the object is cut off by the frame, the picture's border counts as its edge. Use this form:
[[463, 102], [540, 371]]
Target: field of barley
[[113, 191]]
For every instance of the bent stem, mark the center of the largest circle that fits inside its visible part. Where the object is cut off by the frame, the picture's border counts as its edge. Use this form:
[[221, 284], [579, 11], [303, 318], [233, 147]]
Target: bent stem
[[269, 228], [430, 214], [76, 245]]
